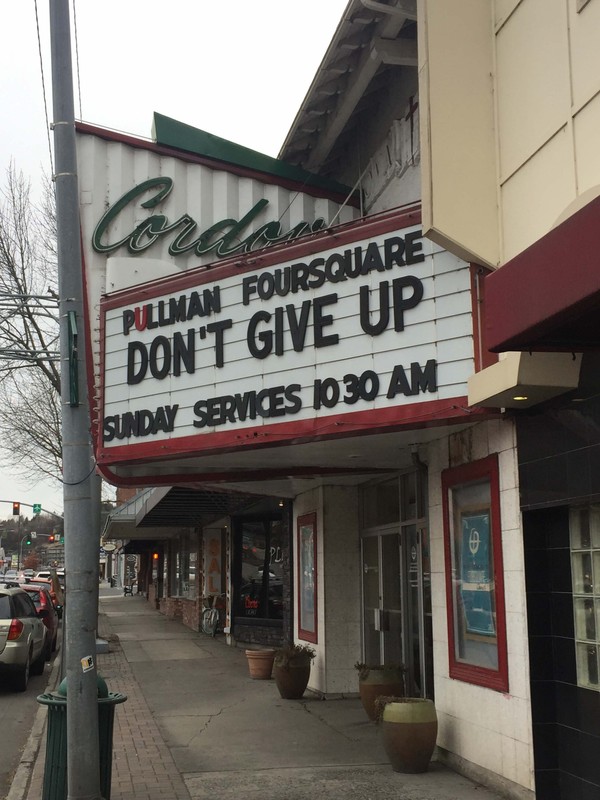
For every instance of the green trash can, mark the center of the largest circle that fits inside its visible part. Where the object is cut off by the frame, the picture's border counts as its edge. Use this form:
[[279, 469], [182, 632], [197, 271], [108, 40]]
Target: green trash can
[[55, 766]]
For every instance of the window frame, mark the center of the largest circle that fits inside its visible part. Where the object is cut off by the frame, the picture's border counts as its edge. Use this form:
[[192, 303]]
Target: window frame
[[307, 521], [267, 521], [452, 479]]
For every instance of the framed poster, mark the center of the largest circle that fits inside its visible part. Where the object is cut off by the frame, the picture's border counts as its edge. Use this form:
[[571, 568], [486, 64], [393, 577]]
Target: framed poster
[[477, 647], [307, 577], [476, 579]]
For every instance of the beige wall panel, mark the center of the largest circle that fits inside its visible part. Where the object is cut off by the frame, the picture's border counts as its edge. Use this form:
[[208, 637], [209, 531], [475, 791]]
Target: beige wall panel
[[535, 196], [587, 151], [457, 127], [532, 80], [585, 51], [503, 9]]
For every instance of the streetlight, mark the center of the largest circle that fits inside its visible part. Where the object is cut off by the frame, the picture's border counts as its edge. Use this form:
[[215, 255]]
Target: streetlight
[[33, 535], [25, 536]]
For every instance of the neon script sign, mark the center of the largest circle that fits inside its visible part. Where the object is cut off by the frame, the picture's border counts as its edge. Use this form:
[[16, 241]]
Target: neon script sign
[[225, 238]]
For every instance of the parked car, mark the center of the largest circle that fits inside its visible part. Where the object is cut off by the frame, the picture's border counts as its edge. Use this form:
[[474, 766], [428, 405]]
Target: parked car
[[48, 573], [42, 599], [22, 636], [10, 574], [54, 589]]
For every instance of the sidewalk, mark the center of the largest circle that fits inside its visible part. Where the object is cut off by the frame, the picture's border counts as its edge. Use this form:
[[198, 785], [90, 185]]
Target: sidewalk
[[196, 726]]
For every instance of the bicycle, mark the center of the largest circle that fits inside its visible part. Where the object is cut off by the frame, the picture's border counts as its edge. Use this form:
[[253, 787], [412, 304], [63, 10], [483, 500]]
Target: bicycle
[[210, 621], [211, 617]]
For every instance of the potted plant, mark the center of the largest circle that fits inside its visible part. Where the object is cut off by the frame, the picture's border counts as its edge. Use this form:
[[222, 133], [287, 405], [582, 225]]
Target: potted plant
[[408, 731], [260, 663], [291, 669], [378, 679]]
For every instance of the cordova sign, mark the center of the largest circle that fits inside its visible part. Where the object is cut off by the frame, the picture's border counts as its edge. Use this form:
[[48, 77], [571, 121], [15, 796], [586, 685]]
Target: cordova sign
[[241, 353], [222, 238]]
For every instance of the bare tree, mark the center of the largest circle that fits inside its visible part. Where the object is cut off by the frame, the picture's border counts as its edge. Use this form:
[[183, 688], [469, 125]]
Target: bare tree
[[29, 331]]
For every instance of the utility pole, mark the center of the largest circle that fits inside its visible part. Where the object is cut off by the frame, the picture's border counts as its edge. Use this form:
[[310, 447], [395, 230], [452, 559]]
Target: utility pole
[[82, 540]]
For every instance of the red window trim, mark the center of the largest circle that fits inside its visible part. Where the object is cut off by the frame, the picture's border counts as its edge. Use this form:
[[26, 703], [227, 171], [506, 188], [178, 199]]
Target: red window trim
[[453, 477], [307, 519]]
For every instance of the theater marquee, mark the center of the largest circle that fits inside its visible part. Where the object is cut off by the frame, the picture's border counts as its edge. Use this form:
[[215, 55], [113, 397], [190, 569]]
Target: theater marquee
[[362, 328]]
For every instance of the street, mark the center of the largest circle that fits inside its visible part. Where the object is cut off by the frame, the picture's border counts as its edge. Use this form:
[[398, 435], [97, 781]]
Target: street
[[17, 712]]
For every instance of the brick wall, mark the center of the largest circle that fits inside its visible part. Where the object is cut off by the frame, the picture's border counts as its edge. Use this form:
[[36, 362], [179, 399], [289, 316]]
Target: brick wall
[[269, 635], [191, 614], [173, 607]]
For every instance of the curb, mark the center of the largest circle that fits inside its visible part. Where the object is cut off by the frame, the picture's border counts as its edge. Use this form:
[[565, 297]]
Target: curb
[[22, 778]]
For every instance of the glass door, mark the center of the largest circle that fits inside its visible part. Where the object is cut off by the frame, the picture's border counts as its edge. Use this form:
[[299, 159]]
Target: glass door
[[396, 588], [382, 598]]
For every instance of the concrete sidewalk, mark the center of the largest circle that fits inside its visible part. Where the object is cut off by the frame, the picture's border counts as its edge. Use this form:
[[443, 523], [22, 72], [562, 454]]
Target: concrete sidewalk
[[196, 726]]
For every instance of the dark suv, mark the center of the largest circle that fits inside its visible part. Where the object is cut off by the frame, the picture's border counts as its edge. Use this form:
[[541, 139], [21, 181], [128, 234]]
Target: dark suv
[[22, 636]]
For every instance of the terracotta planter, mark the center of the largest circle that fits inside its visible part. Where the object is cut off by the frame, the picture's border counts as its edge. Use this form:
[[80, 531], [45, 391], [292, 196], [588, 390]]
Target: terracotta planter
[[292, 679], [374, 682], [260, 663], [409, 733]]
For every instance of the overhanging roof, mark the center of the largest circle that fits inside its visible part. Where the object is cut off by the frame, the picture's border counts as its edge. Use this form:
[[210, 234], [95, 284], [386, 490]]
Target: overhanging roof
[[548, 297], [172, 133], [161, 513], [351, 82]]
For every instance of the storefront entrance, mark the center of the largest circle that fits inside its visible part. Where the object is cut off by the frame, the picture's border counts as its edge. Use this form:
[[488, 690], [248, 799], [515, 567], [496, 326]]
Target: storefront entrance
[[396, 588]]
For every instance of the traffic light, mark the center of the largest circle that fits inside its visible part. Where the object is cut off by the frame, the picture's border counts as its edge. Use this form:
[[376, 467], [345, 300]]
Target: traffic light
[[51, 538], [28, 540], [16, 509]]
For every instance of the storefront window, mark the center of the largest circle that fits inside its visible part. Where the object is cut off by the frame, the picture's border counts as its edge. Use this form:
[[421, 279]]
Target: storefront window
[[584, 526], [307, 577], [192, 590], [474, 575], [261, 587]]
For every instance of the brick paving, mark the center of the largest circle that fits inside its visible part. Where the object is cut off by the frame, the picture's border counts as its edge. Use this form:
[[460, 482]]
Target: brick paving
[[142, 765]]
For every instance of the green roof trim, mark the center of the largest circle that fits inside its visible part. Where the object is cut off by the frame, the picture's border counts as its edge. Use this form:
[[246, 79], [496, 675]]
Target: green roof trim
[[171, 133]]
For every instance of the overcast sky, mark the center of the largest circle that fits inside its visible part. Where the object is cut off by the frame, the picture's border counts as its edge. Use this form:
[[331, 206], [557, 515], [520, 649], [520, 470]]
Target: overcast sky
[[236, 68]]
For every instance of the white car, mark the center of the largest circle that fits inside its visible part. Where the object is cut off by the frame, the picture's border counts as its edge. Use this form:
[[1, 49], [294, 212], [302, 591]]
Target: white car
[[46, 574], [22, 636]]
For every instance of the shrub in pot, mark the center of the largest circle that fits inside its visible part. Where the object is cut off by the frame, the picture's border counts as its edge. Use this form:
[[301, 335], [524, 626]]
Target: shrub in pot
[[408, 731], [378, 679], [291, 669]]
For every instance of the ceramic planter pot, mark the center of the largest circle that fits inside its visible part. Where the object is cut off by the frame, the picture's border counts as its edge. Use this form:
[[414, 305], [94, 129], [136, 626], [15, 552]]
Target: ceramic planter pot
[[374, 682], [409, 733], [260, 663], [292, 677]]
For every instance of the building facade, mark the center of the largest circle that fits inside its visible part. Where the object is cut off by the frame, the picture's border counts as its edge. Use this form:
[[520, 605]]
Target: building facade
[[522, 131], [377, 434]]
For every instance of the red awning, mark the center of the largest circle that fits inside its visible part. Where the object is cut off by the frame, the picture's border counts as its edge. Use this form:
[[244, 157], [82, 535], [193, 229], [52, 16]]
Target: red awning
[[548, 297]]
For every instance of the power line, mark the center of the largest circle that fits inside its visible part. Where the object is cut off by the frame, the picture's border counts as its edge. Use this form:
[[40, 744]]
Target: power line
[[77, 59], [37, 23]]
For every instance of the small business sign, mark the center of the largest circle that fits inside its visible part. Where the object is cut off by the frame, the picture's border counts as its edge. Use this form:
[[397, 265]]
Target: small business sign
[[364, 326]]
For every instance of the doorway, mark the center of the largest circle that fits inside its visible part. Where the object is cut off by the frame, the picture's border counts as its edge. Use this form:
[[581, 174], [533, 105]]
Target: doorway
[[396, 585]]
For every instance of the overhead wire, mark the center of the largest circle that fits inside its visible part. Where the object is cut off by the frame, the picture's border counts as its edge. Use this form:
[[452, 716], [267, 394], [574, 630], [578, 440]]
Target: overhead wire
[[37, 23], [77, 58], [43, 78]]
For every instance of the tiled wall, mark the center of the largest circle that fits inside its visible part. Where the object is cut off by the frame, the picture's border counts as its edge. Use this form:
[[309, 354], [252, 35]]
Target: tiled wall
[[559, 456], [342, 579], [489, 729], [338, 586]]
